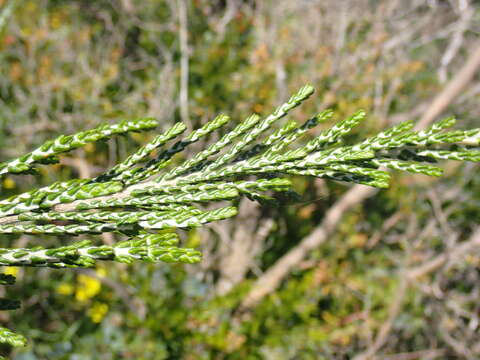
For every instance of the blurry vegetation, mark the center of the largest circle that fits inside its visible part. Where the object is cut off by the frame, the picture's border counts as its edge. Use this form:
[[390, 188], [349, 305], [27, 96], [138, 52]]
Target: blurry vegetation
[[68, 65]]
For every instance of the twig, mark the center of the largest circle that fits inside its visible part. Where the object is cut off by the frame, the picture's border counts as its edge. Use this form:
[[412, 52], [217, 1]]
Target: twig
[[448, 233], [460, 250], [183, 33], [387, 225], [393, 311], [456, 41], [416, 355], [6, 12], [453, 88], [231, 10]]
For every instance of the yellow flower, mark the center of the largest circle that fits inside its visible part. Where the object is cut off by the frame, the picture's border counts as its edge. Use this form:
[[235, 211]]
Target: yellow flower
[[11, 271], [97, 311], [9, 183], [87, 288]]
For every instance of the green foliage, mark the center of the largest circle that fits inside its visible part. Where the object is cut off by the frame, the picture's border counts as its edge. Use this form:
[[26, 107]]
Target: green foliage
[[11, 338], [46, 153], [68, 66], [134, 198]]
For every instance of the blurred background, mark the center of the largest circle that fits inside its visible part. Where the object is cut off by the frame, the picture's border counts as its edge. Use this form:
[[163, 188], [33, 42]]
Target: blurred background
[[346, 272]]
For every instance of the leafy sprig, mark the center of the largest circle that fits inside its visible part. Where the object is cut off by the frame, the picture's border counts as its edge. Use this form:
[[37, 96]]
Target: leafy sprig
[[148, 195], [46, 154]]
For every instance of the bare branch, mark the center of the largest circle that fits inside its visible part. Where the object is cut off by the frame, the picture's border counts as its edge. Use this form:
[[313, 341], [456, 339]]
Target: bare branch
[[183, 33], [452, 89], [452, 255]]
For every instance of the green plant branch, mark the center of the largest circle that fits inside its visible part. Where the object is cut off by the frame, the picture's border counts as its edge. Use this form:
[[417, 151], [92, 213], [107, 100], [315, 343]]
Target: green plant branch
[[142, 197]]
